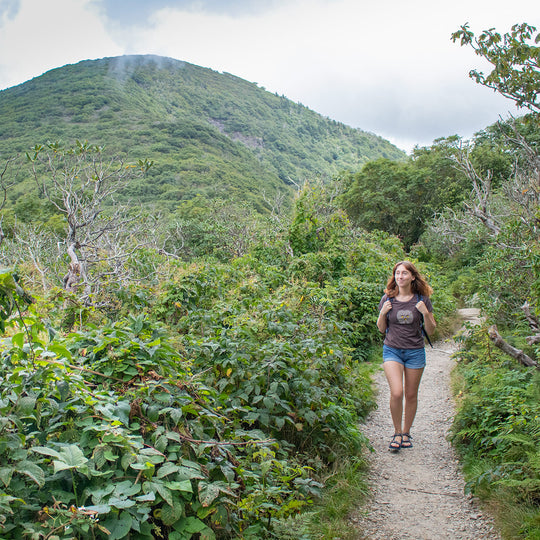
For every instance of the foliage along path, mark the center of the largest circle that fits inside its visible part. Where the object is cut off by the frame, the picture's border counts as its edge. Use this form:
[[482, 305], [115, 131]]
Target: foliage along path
[[418, 493]]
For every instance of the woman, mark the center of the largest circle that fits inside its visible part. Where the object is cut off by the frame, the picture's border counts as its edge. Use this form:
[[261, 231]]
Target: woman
[[402, 310]]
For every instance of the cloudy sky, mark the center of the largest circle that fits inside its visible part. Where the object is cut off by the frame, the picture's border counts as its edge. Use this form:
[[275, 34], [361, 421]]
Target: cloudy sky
[[386, 67]]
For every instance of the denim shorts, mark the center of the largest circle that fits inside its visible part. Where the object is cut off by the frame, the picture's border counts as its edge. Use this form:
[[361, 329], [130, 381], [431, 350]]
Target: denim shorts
[[410, 358]]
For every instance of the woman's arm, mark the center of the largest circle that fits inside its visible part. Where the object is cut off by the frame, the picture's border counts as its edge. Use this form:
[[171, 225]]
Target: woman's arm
[[382, 322], [429, 320]]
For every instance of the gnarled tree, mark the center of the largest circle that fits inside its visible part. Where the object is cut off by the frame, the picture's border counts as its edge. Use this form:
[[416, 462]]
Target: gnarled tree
[[82, 184]]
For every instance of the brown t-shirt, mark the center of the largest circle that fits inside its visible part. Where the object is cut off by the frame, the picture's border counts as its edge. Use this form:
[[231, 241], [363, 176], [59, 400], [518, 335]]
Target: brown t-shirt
[[404, 323]]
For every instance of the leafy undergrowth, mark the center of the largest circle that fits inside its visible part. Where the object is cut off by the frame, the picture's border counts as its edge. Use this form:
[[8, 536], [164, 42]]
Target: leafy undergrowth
[[219, 420], [496, 431], [106, 434]]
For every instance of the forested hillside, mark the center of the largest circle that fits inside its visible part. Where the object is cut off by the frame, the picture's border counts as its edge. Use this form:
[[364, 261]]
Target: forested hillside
[[209, 134]]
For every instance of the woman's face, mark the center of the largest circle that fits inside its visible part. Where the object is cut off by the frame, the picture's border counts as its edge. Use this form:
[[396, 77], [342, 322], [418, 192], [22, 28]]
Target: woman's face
[[403, 276]]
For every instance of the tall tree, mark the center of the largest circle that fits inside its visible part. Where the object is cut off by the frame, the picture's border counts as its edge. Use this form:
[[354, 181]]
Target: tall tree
[[515, 59], [391, 196]]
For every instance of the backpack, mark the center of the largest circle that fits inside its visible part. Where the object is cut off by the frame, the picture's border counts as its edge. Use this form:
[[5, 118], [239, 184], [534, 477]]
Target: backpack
[[424, 333]]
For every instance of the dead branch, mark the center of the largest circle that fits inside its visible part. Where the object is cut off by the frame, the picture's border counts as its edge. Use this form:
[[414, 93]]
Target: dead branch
[[480, 204], [4, 186], [499, 342], [531, 319], [533, 323]]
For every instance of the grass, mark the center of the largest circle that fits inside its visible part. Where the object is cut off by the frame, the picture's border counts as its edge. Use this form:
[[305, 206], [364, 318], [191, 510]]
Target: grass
[[346, 490]]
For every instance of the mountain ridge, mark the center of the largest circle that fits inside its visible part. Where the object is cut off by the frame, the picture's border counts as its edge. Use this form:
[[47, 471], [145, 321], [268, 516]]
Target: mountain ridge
[[207, 132]]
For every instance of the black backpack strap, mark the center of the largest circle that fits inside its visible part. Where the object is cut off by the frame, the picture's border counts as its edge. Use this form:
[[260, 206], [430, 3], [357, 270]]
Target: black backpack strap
[[420, 298], [388, 314]]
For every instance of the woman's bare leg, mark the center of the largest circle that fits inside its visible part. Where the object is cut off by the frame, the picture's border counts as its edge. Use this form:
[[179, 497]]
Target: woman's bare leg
[[412, 382], [394, 376]]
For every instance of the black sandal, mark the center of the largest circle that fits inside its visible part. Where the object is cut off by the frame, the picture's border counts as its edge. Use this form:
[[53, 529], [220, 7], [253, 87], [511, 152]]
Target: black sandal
[[408, 442], [394, 445]]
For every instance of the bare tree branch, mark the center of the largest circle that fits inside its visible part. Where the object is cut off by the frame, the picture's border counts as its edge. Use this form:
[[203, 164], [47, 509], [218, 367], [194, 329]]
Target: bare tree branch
[[508, 349], [81, 184], [480, 202]]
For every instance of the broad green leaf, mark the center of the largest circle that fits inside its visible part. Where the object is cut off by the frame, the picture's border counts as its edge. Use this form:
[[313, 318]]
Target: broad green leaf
[[170, 514], [99, 508], [46, 451], [18, 340], [33, 471], [172, 435], [268, 403], [207, 534], [112, 438], [228, 472], [71, 457], [127, 488], [61, 466], [98, 494], [184, 485], [7, 282], [208, 493], [194, 525], [161, 443], [120, 502], [165, 493], [166, 469], [63, 389], [60, 351], [5, 475], [109, 456], [127, 460], [6, 499], [118, 528], [147, 497], [176, 416], [26, 405], [99, 456]]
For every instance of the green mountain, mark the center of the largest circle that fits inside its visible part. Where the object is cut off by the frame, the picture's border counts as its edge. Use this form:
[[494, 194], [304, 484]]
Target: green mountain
[[209, 134]]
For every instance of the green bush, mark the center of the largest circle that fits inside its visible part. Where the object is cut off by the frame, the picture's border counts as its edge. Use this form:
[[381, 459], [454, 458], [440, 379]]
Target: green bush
[[126, 443], [277, 357], [496, 432]]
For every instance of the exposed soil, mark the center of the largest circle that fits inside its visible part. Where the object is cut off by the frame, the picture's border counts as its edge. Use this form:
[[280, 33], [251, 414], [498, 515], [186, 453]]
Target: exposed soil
[[418, 493]]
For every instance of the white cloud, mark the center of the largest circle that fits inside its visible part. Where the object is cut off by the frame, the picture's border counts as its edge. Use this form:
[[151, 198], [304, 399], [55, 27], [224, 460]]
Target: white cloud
[[45, 35]]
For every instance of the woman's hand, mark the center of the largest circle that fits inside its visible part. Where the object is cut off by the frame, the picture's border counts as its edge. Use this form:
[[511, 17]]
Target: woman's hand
[[386, 307], [429, 320], [421, 307]]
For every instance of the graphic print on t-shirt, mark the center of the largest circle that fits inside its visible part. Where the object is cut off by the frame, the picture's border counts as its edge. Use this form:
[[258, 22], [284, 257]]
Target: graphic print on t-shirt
[[404, 316]]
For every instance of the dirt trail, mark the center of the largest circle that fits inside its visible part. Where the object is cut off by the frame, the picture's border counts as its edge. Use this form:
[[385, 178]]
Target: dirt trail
[[417, 493]]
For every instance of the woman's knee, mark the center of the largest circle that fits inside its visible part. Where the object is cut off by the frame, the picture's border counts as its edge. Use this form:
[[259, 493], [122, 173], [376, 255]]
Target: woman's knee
[[411, 396]]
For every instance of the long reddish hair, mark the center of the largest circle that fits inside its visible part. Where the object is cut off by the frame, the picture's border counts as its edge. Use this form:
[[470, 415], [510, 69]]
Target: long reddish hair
[[418, 286]]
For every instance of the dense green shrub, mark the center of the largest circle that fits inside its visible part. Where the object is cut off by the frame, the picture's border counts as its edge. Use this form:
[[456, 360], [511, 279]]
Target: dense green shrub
[[106, 434], [496, 432], [278, 357]]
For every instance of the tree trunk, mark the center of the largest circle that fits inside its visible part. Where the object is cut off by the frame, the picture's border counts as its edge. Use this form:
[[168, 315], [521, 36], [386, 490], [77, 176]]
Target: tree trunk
[[508, 349], [73, 276]]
